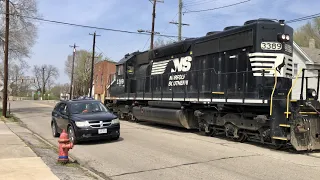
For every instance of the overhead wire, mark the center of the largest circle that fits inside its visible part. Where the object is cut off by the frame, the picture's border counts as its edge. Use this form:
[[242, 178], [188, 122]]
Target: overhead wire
[[198, 3], [162, 31], [304, 18], [230, 5], [91, 27]]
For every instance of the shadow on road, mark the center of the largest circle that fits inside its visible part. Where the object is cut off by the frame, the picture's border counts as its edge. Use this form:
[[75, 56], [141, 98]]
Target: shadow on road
[[165, 127], [28, 110], [100, 141]]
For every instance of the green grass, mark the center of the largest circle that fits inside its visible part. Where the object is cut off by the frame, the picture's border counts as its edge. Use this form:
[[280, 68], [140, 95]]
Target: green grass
[[9, 118]]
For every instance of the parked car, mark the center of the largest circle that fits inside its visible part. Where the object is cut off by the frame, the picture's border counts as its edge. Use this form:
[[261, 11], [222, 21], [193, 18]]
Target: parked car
[[84, 119]]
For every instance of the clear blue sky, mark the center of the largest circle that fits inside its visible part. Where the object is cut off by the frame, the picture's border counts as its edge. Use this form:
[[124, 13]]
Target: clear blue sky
[[53, 40]]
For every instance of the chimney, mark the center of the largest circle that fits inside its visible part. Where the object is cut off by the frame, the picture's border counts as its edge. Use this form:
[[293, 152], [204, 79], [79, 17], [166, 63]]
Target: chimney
[[312, 43]]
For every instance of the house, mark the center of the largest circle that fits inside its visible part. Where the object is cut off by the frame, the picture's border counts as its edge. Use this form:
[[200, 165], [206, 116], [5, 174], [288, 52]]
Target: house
[[305, 57], [102, 71]]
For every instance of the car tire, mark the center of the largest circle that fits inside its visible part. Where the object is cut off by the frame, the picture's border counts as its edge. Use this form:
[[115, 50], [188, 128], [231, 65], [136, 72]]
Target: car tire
[[54, 129], [116, 138], [72, 135]]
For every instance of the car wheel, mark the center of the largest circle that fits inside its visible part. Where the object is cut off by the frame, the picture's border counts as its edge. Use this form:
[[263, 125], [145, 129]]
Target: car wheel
[[72, 135], [54, 129]]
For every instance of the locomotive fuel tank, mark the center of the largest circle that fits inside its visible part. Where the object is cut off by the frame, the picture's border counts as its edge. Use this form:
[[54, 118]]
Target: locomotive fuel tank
[[172, 117]]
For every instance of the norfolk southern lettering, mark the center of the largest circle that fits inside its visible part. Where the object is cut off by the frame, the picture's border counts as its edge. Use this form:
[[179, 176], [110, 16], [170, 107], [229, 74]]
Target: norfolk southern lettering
[[180, 65]]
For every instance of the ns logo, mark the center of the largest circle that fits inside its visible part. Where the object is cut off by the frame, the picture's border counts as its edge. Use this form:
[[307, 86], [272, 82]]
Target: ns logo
[[182, 65]]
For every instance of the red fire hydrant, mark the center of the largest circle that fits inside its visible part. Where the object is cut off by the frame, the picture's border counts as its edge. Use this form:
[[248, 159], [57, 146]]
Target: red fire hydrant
[[64, 146]]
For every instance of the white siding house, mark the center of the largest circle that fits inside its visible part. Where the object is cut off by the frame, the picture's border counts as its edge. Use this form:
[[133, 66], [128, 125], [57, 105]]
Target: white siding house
[[305, 57]]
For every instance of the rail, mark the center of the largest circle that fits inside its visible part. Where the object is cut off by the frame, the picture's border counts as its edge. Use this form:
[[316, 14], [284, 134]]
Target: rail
[[294, 83]]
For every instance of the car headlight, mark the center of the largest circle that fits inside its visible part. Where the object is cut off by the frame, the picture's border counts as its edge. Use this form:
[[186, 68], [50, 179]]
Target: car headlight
[[115, 121], [82, 124]]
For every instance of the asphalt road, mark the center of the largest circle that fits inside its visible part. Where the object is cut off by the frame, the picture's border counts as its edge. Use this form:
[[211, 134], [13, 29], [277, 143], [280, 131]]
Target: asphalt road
[[157, 152]]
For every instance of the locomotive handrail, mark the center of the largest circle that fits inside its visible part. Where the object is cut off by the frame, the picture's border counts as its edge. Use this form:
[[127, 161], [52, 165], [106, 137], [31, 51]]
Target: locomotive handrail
[[294, 83], [274, 87]]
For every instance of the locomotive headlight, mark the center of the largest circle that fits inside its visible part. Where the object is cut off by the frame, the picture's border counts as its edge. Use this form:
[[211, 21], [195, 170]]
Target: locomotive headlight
[[312, 94], [287, 37], [283, 37]]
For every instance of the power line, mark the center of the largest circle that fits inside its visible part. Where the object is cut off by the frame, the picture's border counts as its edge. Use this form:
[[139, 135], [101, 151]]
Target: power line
[[203, 10], [304, 18], [197, 3], [91, 27]]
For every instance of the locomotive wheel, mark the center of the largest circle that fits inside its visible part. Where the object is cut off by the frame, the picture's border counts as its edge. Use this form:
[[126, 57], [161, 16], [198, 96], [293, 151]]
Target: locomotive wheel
[[132, 118], [278, 144], [208, 131], [242, 138], [231, 132]]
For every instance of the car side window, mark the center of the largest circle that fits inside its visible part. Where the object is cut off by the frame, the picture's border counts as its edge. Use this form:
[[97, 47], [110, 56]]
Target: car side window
[[62, 108]]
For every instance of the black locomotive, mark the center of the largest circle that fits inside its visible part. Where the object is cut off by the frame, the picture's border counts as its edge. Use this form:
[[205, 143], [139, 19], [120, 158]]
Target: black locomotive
[[236, 82]]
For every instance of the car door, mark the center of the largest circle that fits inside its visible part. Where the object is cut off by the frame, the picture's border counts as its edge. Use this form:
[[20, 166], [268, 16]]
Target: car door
[[59, 117], [56, 116]]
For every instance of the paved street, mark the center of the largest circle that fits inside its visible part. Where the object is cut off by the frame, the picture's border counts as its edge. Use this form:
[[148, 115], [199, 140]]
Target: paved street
[[157, 152]]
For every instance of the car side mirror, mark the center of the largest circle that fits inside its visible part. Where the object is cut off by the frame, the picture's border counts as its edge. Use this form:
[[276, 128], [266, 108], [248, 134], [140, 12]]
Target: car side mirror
[[64, 112]]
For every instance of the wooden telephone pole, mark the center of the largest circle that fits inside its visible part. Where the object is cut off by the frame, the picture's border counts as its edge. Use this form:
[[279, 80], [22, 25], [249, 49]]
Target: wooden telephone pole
[[72, 70], [180, 24], [92, 63], [5, 71]]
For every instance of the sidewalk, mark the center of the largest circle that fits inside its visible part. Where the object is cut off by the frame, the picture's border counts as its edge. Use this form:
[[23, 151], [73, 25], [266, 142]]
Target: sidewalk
[[18, 161]]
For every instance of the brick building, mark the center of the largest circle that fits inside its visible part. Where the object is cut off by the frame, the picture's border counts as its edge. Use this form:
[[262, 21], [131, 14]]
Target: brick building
[[102, 72]]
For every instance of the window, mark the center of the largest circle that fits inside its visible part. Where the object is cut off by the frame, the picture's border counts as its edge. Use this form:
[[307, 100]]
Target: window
[[295, 69]]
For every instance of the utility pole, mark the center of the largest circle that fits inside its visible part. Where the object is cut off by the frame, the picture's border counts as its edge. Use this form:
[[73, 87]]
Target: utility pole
[[6, 57], [180, 24], [43, 87], [153, 19], [152, 32], [92, 63], [72, 69]]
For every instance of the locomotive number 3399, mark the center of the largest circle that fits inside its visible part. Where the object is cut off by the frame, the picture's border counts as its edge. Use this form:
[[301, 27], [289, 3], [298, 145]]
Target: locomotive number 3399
[[271, 46]]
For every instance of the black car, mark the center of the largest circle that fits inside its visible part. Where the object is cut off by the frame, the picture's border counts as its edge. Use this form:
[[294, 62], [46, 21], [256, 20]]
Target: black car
[[84, 120]]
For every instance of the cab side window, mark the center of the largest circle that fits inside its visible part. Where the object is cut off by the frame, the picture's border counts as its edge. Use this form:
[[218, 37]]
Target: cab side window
[[130, 70]]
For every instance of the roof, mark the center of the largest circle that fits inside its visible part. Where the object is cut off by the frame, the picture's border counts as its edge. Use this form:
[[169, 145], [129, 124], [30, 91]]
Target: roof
[[313, 53], [127, 57], [303, 53]]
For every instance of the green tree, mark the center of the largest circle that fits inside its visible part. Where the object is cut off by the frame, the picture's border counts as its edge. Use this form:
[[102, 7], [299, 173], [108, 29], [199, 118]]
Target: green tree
[[309, 30], [82, 70]]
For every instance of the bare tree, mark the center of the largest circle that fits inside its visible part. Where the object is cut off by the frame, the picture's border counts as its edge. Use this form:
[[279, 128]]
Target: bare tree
[[161, 42], [15, 74], [45, 75], [22, 30]]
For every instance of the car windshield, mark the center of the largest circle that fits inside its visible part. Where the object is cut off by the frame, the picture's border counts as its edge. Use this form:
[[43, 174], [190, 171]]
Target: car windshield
[[87, 107]]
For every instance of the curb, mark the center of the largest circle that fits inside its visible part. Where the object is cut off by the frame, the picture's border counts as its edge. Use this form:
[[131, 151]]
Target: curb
[[86, 168]]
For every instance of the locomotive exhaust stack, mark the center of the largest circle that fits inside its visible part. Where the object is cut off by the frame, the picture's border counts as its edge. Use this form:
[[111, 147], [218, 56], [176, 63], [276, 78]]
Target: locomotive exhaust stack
[[236, 82]]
